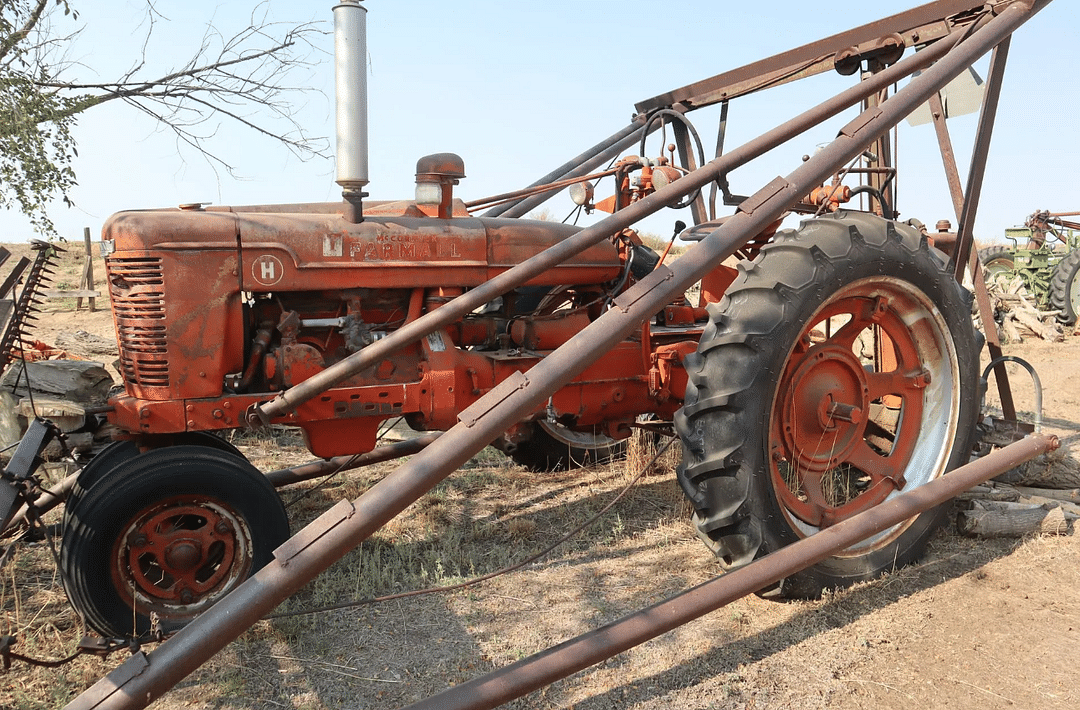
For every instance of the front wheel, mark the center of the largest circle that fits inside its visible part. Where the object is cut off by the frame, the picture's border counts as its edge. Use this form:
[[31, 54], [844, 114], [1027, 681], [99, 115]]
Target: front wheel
[[1065, 288], [998, 263], [839, 371], [553, 447], [160, 537]]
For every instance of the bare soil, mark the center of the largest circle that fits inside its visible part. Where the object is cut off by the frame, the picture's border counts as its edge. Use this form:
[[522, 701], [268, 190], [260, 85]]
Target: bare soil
[[976, 624]]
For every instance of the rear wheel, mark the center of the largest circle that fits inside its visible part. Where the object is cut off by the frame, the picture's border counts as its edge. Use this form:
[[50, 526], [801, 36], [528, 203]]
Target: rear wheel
[[839, 370], [553, 447], [1065, 288], [166, 534]]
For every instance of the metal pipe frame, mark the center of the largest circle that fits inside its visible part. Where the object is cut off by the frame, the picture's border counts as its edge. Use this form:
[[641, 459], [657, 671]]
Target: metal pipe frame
[[456, 309], [325, 467], [966, 229], [144, 677], [920, 25]]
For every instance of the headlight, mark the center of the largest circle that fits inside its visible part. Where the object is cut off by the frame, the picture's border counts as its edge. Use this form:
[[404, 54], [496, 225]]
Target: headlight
[[581, 193], [664, 175]]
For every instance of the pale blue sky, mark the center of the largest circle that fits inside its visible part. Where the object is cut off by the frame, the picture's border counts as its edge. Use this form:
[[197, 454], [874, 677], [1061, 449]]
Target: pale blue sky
[[516, 88]]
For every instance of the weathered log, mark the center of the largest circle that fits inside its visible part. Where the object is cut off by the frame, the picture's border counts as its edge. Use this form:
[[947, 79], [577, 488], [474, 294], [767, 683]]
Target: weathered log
[[77, 381], [1071, 496], [1014, 523], [1057, 470], [82, 342], [988, 492], [1030, 319], [1005, 505], [1048, 503]]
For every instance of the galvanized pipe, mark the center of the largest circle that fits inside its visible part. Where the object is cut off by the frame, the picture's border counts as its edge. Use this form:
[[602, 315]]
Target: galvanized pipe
[[576, 654], [516, 276], [145, 677]]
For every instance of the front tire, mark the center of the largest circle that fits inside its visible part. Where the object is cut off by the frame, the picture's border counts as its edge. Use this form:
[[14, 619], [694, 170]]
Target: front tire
[[162, 536], [553, 447], [839, 370], [998, 262]]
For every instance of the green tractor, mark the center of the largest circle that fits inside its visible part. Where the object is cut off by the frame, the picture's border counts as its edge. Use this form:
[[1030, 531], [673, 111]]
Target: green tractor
[[1048, 264]]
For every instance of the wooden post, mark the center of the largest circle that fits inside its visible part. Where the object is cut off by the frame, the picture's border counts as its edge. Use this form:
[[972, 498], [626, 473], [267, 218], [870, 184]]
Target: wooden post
[[87, 282]]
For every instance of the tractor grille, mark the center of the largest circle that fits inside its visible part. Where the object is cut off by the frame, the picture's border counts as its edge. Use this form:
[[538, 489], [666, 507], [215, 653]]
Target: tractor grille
[[138, 298]]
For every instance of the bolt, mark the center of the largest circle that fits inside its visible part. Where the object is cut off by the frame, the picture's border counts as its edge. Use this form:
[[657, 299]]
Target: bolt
[[186, 596], [137, 540], [218, 414]]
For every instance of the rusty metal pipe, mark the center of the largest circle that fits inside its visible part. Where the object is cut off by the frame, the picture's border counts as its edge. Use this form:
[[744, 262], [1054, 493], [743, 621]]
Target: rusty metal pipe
[[316, 469], [533, 190], [587, 161], [142, 678], [576, 654], [516, 276], [965, 233], [46, 501]]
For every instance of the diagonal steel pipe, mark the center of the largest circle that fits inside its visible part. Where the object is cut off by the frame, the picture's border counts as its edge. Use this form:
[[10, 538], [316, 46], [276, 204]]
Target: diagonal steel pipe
[[144, 677]]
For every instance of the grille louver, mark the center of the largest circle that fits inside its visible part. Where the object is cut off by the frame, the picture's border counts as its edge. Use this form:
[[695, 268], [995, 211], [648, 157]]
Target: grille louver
[[138, 298]]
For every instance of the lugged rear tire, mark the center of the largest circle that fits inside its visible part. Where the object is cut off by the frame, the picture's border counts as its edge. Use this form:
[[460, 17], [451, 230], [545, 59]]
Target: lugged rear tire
[[1065, 288], [790, 425]]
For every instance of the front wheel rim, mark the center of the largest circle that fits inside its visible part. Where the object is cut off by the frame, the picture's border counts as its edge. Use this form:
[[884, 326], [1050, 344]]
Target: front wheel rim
[[178, 556]]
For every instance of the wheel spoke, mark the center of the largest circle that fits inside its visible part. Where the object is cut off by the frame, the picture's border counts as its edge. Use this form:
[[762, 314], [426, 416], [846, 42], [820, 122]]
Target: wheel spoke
[[876, 466], [860, 321], [901, 384]]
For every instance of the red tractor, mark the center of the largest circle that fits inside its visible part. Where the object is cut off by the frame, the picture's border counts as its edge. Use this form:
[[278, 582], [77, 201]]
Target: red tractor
[[833, 368]]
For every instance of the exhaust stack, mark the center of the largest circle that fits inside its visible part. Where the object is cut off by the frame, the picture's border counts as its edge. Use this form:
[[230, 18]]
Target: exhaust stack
[[350, 73]]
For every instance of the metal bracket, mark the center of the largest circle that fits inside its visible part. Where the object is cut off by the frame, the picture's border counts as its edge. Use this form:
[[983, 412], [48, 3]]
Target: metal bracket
[[759, 198], [475, 411], [647, 285], [24, 462], [859, 122], [313, 532], [117, 679]]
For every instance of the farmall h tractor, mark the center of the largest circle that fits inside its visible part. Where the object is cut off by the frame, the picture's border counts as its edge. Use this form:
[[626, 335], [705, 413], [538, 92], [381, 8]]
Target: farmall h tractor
[[832, 368]]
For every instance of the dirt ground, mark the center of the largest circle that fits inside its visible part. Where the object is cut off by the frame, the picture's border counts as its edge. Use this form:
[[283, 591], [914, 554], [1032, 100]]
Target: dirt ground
[[977, 624]]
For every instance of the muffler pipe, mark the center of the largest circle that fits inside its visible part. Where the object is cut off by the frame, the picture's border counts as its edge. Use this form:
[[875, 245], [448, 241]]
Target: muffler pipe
[[350, 82]]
